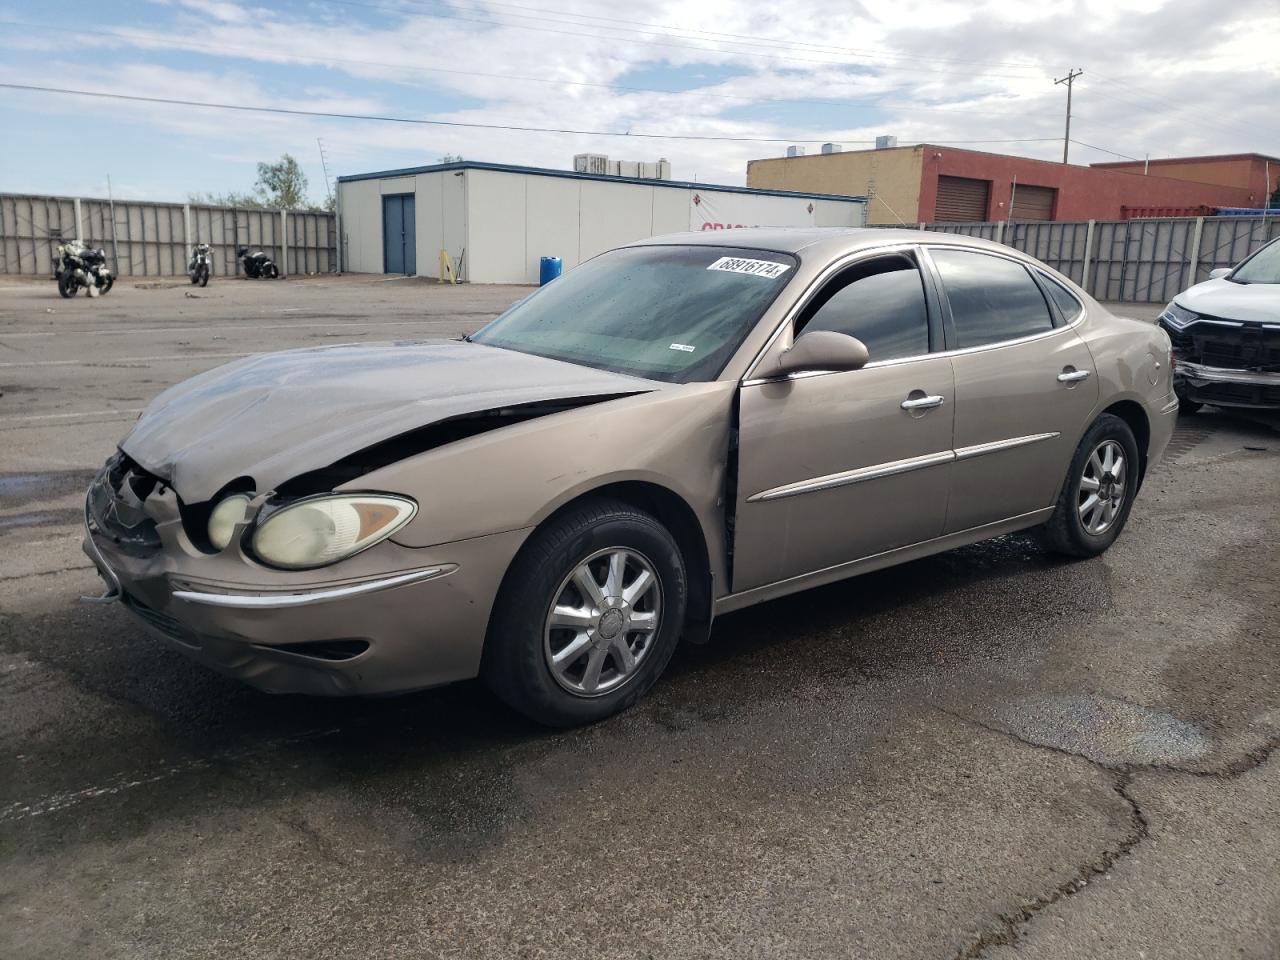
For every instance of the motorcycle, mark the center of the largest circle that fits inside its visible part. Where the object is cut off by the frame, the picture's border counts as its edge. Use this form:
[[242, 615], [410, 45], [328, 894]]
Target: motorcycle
[[257, 264], [76, 265], [199, 265]]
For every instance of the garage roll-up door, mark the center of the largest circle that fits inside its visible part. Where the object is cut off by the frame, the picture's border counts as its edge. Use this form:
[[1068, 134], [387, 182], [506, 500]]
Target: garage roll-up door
[[961, 200], [1033, 203]]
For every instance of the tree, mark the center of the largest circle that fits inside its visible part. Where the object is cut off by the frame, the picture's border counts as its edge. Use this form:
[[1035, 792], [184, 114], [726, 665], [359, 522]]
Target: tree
[[451, 158], [231, 199], [282, 184]]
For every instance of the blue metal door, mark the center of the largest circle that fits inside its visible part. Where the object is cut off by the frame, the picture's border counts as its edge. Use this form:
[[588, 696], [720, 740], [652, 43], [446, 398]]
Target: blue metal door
[[399, 242]]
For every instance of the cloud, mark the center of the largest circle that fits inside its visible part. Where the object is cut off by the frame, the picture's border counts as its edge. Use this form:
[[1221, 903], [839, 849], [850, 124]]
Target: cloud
[[1161, 76]]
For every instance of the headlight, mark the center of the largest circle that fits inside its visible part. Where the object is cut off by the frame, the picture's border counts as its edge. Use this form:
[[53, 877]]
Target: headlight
[[323, 530], [225, 516], [1177, 316]]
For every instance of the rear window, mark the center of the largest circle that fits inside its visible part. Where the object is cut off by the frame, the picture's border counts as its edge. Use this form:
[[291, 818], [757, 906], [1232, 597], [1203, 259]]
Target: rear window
[[674, 313], [992, 299], [1064, 298]]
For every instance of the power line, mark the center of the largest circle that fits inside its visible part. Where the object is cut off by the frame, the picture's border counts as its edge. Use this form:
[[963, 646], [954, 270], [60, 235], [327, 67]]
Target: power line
[[173, 101], [1123, 156]]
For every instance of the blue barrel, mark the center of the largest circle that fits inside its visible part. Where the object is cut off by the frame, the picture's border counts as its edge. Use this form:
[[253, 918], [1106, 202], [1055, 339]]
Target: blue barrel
[[548, 270]]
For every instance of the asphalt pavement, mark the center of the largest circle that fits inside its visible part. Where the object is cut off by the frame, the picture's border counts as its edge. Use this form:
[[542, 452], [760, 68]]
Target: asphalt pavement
[[992, 752]]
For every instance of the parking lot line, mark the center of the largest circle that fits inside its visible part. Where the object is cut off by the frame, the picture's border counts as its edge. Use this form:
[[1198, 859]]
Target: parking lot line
[[115, 361], [197, 326], [35, 417]]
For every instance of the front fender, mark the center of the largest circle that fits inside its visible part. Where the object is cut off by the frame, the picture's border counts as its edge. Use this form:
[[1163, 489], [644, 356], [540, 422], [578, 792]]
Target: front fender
[[515, 477]]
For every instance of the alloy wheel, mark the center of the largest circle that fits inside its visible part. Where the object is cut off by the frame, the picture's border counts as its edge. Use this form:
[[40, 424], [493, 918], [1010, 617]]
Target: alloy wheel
[[1102, 488], [603, 622]]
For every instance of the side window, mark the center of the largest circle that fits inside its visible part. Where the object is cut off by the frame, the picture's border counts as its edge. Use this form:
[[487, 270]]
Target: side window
[[881, 302], [992, 299], [1067, 303]]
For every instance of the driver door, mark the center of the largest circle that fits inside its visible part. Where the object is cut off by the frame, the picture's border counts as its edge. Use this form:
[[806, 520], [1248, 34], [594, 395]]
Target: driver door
[[834, 467]]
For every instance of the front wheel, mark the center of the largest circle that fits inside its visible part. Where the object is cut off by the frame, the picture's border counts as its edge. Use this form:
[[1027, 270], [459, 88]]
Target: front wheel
[[1098, 493], [67, 285], [107, 284], [271, 272], [204, 276], [588, 616]]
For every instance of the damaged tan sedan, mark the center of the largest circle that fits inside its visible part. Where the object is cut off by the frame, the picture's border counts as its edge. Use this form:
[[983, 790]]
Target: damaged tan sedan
[[673, 430]]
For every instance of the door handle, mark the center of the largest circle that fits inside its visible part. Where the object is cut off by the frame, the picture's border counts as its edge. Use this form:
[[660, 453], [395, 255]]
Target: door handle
[[1073, 376], [923, 403]]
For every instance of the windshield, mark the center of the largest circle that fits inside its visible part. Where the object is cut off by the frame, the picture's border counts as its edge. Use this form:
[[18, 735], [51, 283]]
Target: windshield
[[1262, 267], [672, 313]]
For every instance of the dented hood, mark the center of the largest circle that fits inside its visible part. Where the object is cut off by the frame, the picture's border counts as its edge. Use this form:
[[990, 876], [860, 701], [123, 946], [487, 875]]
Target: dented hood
[[274, 416]]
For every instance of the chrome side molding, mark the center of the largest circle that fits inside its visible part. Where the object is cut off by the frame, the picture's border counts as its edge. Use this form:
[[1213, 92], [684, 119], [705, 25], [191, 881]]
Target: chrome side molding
[[980, 449], [861, 474], [893, 468]]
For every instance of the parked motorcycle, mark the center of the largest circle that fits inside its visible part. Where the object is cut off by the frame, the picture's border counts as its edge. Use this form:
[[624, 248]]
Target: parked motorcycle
[[257, 264], [76, 265], [199, 264]]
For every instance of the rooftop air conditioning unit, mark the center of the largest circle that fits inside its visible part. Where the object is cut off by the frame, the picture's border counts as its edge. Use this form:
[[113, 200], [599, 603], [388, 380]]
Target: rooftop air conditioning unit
[[831, 148], [886, 143], [794, 151], [591, 163]]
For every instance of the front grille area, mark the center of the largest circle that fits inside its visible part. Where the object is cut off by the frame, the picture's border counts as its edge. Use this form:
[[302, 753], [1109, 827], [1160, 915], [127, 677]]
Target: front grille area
[[1239, 394], [1250, 346], [115, 507], [165, 624]]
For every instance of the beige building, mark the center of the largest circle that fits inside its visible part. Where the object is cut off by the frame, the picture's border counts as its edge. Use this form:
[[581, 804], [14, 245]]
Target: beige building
[[889, 179]]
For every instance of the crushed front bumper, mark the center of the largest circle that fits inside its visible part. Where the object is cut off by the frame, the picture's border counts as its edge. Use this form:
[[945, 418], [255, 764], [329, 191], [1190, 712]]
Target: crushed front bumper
[[1227, 387], [403, 620]]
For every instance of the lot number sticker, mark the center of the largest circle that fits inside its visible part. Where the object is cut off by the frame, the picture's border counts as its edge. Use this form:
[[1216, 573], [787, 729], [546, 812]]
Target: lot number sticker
[[754, 268]]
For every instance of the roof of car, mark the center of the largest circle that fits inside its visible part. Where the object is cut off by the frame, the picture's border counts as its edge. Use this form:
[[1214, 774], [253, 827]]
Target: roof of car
[[829, 241]]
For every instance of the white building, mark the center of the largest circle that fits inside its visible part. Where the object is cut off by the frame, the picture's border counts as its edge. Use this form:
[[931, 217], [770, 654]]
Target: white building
[[495, 222]]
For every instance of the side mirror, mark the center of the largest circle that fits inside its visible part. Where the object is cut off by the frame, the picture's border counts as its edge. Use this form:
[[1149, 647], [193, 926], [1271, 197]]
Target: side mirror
[[820, 350], [1219, 273]]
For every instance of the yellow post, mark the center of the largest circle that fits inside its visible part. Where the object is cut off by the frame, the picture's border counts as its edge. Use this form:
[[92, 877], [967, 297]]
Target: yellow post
[[446, 268]]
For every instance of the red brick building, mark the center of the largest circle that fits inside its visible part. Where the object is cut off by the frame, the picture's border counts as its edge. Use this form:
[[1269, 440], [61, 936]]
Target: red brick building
[[930, 183]]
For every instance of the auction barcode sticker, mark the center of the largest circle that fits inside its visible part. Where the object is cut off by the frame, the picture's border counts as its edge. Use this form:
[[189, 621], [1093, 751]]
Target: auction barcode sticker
[[755, 268]]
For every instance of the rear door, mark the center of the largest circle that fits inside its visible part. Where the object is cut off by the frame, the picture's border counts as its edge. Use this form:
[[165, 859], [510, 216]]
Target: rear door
[[1025, 386]]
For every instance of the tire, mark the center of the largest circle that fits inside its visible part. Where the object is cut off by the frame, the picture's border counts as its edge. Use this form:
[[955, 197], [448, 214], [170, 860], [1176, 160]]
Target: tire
[[271, 272], [106, 287], [1188, 407], [204, 276], [195, 277], [522, 642], [1067, 532], [67, 285]]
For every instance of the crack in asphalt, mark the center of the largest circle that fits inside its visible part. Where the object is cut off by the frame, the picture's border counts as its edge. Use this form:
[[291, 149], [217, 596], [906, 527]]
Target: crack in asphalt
[[1011, 925]]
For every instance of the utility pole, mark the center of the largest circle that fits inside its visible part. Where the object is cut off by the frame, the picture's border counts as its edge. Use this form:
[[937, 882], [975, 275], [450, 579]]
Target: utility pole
[[324, 165], [1069, 79]]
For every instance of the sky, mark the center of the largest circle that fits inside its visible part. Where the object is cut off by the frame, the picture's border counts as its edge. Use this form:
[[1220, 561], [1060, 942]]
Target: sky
[[708, 85]]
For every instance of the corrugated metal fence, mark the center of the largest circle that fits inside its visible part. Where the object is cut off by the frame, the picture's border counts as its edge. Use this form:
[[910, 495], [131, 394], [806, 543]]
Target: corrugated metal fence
[[155, 239], [1136, 261]]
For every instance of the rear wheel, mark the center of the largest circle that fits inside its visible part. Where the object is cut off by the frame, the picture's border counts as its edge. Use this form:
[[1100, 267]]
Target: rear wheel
[[588, 616], [1098, 493], [271, 271]]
